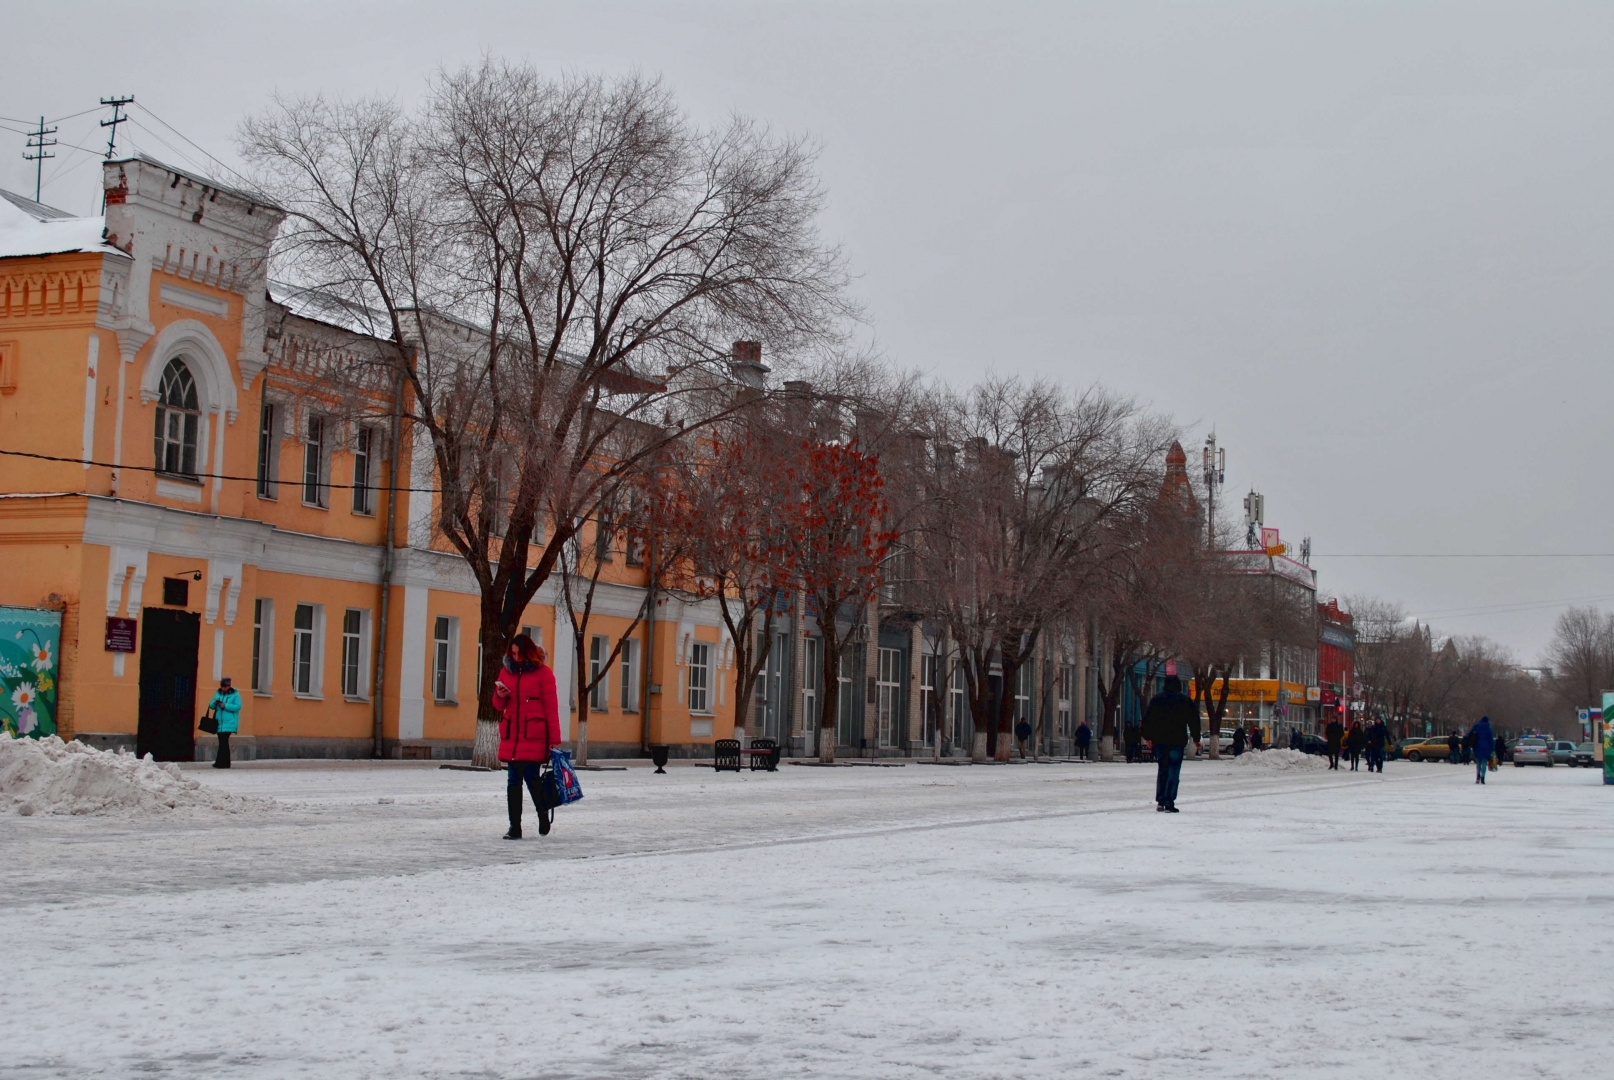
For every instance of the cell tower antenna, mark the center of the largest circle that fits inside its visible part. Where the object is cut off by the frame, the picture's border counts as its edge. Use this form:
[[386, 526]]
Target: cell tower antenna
[[37, 141], [118, 117]]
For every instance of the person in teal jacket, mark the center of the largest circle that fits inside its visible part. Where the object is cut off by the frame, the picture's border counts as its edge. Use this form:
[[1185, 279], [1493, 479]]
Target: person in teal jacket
[[226, 706]]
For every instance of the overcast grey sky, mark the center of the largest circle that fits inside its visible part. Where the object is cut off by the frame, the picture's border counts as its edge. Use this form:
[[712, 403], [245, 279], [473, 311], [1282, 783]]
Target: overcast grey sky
[[1371, 243]]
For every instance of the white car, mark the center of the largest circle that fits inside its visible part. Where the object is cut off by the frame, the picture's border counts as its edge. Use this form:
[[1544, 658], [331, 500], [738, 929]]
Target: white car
[[1532, 751]]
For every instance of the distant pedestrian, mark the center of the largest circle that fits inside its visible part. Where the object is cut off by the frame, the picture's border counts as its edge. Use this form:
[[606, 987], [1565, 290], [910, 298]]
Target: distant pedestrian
[[1468, 746], [1084, 739], [1484, 746], [226, 706], [1172, 720], [1378, 736], [1501, 750], [1335, 733], [1022, 734], [529, 726], [1294, 738], [1238, 741], [1257, 739], [1355, 743], [1454, 747], [1134, 742]]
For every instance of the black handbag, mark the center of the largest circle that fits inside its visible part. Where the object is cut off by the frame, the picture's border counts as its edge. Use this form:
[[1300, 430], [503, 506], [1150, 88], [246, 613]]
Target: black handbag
[[210, 721], [548, 789]]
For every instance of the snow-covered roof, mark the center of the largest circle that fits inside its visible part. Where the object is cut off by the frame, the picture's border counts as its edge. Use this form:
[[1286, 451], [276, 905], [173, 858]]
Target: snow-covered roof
[[28, 228]]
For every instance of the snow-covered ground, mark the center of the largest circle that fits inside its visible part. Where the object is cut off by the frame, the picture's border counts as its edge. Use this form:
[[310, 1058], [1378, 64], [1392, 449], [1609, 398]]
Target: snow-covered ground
[[1011, 921]]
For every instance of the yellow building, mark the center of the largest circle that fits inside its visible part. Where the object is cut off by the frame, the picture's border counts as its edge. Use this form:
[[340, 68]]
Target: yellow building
[[164, 459]]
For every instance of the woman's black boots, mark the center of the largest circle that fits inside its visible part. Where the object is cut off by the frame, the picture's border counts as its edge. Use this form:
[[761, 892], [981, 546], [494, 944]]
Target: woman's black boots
[[512, 795]]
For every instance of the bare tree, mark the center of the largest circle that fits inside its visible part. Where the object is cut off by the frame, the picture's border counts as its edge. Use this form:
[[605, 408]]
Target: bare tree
[[1581, 655], [1026, 480], [559, 265]]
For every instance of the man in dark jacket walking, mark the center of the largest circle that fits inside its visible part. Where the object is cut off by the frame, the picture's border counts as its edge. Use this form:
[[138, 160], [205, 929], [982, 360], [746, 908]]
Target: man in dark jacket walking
[[1335, 734], [1171, 721], [1084, 739], [1378, 736]]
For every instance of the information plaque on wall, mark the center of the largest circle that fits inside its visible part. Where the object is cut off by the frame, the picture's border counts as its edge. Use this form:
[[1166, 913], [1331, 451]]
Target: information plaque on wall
[[120, 635]]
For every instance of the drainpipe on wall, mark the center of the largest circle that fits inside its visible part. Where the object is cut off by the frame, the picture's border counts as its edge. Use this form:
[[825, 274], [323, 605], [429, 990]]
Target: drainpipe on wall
[[394, 451]]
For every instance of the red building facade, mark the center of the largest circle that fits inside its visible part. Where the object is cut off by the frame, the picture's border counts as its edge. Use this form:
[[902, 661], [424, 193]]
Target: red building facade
[[1336, 659]]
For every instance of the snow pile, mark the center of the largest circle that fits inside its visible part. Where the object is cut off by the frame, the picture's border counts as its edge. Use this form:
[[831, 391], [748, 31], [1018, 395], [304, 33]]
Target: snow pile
[[1280, 760], [48, 776]]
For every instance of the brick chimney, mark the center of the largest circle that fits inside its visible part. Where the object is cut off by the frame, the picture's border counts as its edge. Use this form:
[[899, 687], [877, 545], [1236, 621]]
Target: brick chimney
[[745, 364]]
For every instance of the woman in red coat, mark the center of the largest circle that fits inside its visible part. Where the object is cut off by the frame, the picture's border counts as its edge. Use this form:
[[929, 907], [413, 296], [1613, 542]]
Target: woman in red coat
[[529, 725]]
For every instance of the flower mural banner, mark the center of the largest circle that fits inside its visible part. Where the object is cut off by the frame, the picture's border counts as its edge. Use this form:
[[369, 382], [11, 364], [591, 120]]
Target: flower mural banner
[[29, 640]]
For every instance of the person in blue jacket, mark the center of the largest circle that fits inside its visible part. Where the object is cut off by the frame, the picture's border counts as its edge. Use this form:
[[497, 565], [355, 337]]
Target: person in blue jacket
[[226, 706], [1484, 746]]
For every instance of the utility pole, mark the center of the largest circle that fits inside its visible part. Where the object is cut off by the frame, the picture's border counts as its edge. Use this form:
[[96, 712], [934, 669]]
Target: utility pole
[[38, 141], [1215, 462], [118, 117]]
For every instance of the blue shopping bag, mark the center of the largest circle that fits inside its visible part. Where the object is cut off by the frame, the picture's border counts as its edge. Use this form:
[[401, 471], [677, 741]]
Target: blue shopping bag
[[566, 785]]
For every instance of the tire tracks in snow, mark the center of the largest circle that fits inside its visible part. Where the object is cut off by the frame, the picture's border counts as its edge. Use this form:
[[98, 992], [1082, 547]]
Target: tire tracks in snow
[[1112, 807]]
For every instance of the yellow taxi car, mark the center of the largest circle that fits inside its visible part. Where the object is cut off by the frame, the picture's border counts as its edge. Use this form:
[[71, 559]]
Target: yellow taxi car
[[1433, 748]]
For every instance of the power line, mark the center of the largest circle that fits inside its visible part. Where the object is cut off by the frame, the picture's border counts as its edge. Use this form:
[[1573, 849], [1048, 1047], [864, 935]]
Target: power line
[[198, 147], [209, 476], [1469, 555]]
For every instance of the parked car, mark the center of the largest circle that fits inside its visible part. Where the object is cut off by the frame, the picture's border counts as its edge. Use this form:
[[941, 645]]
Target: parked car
[[1433, 748], [1563, 752], [1315, 745], [1585, 754], [1533, 751], [1399, 749]]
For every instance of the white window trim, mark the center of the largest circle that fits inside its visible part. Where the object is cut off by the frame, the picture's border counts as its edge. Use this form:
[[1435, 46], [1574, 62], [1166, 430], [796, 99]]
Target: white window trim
[[324, 464], [451, 675], [705, 668], [263, 609], [599, 698], [371, 461], [629, 694], [316, 675], [364, 664]]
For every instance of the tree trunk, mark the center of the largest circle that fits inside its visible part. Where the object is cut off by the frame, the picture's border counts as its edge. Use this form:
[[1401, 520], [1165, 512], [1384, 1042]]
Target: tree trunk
[[978, 746], [580, 755], [485, 750], [1106, 748]]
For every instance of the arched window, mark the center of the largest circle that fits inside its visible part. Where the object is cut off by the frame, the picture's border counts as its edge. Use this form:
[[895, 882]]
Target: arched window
[[178, 418]]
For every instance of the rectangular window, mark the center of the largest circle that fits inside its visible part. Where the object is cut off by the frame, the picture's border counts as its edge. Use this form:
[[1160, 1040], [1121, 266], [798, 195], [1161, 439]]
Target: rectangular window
[[263, 636], [928, 665], [599, 695], [364, 471], [355, 647], [305, 627], [958, 705], [604, 535], [628, 660], [888, 697], [268, 452], [536, 633], [812, 681], [1062, 702], [1024, 683], [633, 550], [700, 677], [445, 646], [314, 462]]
